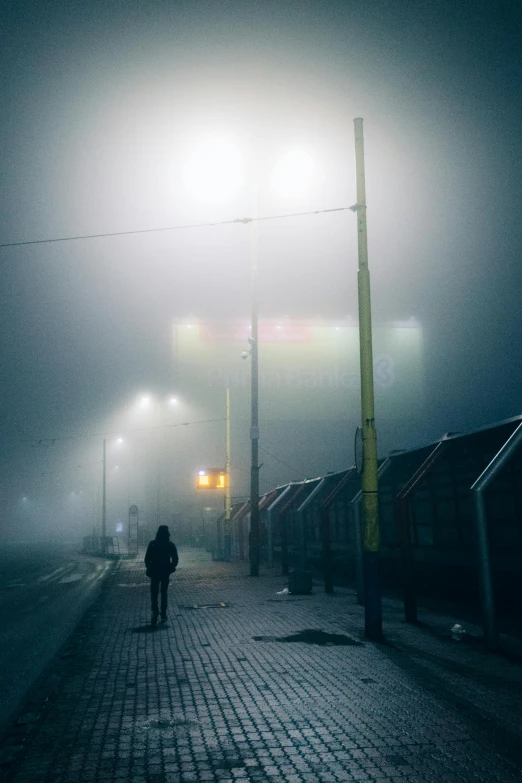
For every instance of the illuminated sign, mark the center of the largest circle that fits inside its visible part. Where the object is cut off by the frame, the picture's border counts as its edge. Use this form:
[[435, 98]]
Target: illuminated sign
[[307, 369], [212, 478]]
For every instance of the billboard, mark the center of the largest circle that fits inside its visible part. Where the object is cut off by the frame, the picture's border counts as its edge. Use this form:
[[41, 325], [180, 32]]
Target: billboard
[[307, 369]]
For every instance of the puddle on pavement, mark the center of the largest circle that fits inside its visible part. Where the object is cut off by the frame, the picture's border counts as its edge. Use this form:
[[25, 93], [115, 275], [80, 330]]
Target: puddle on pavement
[[313, 636], [397, 761], [229, 764], [221, 605], [166, 723]]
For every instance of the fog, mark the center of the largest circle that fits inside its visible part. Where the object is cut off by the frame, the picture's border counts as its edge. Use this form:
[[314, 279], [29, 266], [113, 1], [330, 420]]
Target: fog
[[104, 107]]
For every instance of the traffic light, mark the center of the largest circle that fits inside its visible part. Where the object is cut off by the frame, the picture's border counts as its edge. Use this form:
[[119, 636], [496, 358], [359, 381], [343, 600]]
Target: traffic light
[[212, 478]]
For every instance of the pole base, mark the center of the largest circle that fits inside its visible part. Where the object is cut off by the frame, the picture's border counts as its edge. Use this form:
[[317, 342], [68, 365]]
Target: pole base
[[227, 550], [372, 598]]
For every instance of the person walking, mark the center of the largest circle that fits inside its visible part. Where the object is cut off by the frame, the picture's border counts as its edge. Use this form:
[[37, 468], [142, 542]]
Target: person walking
[[161, 560]]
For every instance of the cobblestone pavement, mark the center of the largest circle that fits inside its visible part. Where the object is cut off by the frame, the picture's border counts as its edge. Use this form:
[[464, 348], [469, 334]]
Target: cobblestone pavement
[[243, 684]]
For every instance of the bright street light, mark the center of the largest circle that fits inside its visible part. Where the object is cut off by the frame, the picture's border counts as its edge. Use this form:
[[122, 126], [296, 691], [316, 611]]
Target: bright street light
[[214, 171]]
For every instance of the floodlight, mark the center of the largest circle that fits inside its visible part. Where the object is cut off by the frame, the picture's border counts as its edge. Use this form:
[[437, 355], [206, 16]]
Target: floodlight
[[293, 174], [214, 171]]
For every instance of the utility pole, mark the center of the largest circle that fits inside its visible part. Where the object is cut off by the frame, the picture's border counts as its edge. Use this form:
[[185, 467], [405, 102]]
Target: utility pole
[[104, 499], [159, 465], [228, 538], [254, 423], [370, 496]]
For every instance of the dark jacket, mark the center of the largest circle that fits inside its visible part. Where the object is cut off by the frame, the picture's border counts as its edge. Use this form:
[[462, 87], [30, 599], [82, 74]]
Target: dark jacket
[[161, 559]]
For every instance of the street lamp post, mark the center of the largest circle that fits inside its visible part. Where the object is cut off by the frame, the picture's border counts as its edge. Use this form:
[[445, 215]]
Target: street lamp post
[[104, 500], [370, 497], [228, 532], [217, 165], [254, 553]]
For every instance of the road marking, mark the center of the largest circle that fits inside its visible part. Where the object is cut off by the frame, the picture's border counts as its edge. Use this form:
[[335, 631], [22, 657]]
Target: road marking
[[53, 573], [70, 578]]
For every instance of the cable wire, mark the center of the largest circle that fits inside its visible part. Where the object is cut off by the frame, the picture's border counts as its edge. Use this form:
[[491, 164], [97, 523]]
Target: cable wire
[[296, 470], [58, 438], [243, 221]]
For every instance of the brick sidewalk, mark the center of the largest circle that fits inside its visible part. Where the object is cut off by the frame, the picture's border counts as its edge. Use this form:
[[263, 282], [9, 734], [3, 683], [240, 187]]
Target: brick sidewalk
[[251, 691]]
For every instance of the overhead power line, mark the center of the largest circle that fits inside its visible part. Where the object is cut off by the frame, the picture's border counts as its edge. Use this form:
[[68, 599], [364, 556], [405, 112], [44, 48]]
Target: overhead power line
[[295, 470], [59, 438], [243, 220]]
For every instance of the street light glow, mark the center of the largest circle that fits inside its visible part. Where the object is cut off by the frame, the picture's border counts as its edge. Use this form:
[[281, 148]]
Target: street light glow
[[293, 174], [145, 401], [173, 401], [214, 172]]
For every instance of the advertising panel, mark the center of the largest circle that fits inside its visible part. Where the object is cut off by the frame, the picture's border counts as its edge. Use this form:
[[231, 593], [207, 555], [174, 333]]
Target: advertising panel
[[307, 369]]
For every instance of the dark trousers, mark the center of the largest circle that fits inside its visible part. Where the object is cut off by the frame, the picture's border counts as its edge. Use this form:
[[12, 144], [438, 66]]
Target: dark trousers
[[155, 583]]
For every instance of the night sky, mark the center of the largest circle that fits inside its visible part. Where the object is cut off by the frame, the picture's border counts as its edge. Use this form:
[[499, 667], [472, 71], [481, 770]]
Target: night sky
[[101, 104]]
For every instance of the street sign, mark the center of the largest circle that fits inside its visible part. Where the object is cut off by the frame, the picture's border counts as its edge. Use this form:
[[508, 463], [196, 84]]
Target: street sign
[[133, 510], [211, 478]]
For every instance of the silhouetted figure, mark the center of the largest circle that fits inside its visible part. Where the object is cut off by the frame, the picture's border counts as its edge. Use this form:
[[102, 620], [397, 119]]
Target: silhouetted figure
[[161, 560]]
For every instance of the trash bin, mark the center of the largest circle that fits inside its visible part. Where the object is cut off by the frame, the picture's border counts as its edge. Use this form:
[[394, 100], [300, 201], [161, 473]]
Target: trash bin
[[300, 582]]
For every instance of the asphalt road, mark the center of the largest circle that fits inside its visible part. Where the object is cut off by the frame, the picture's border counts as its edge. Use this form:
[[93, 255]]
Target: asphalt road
[[44, 591]]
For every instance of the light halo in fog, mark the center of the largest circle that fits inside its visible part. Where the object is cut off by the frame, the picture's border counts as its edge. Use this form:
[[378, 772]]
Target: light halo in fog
[[293, 174], [214, 171]]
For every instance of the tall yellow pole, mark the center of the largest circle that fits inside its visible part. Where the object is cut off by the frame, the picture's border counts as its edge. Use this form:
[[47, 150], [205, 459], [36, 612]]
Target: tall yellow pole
[[228, 532], [370, 497]]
